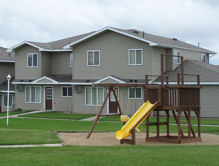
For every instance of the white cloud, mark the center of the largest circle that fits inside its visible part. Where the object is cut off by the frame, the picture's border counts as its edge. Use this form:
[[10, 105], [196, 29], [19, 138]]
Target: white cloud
[[46, 20]]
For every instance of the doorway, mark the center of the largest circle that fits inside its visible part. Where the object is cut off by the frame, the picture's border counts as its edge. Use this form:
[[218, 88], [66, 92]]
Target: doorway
[[48, 98], [113, 108]]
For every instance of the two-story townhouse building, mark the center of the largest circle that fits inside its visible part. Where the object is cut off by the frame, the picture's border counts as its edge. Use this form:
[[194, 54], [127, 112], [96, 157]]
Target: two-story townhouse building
[[59, 75], [6, 67]]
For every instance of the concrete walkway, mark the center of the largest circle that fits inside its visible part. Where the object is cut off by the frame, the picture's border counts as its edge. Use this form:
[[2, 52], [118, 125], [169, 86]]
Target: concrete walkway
[[16, 115], [89, 119], [29, 146]]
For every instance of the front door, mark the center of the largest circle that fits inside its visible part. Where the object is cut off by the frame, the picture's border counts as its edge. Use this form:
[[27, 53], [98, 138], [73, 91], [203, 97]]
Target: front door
[[48, 98], [113, 108]]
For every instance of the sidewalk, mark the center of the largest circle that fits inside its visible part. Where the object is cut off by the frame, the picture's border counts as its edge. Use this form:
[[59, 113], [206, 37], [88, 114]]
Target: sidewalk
[[16, 115], [31, 145]]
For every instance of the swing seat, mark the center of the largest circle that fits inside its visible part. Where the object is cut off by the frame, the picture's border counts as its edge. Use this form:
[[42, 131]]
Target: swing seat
[[124, 118]]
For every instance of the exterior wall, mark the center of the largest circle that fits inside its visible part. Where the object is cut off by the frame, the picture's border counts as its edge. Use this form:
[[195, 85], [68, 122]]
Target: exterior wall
[[21, 69], [188, 54], [4, 108], [45, 63], [5, 69], [129, 106], [114, 58], [156, 61], [209, 101], [61, 103], [60, 63]]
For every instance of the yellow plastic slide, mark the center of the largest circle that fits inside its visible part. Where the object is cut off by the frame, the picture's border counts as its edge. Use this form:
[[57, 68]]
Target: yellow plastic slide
[[144, 111]]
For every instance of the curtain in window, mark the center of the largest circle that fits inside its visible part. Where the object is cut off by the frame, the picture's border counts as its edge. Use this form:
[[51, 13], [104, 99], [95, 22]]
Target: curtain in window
[[138, 57], [132, 57], [88, 96]]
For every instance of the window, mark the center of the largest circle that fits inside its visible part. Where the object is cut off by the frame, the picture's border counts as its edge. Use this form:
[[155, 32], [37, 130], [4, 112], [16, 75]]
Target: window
[[67, 91], [93, 58], [94, 96], [71, 60], [135, 57], [176, 57], [33, 94], [135, 93], [32, 60], [5, 100], [203, 58]]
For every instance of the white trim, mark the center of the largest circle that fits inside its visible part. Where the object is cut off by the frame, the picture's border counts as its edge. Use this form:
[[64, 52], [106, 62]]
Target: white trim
[[30, 95], [113, 30], [48, 83], [31, 54], [3, 104], [40, 48], [192, 83], [7, 61], [88, 105], [5, 91], [133, 49], [44, 77], [135, 93], [93, 57], [67, 91], [109, 77], [71, 60]]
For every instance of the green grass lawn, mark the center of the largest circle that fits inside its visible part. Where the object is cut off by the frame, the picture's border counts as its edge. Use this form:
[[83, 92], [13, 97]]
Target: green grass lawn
[[115, 155], [58, 115], [13, 113], [204, 121], [38, 131]]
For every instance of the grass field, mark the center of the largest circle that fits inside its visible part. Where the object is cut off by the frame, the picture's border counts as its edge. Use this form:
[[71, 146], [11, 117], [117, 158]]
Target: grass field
[[39, 131], [59, 115], [108, 156], [12, 113]]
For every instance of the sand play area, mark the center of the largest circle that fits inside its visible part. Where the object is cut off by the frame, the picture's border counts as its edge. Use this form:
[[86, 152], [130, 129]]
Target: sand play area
[[109, 139]]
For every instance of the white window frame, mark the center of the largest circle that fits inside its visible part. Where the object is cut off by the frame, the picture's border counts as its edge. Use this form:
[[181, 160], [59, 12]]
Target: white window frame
[[71, 60], [135, 93], [32, 59], [175, 56], [142, 60], [205, 58], [93, 57], [92, 96], [67, 91], [3, 100], [30, 94]]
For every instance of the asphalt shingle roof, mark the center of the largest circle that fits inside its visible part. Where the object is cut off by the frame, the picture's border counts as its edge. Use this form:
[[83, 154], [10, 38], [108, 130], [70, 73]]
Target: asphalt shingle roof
[[4, 55]]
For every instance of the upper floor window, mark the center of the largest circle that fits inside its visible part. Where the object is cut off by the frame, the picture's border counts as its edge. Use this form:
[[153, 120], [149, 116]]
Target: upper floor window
[[176, 57], [66, 91], [135, 93], [203, 58], [135, 57], [32, 60], [71, 59], [93, 58]]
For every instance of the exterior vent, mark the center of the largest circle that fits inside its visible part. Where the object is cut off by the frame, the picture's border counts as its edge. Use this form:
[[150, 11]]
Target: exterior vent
[[78, 89], [135, 31], [19, 88], [175, 39]]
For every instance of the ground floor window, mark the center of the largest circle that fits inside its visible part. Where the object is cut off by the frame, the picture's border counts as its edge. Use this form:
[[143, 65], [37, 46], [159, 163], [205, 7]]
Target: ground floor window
[[33, 94], [94, 96], [66, 91], [135, 93], [5, 100]]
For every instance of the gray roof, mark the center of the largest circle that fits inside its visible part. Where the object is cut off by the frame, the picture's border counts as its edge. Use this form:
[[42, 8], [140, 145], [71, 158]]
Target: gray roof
[[207, 72], [4, 85], [4, 55], [158, 40]]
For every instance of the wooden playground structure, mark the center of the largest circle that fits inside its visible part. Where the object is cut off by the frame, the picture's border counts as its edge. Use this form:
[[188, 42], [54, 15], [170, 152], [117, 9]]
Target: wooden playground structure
[[181, 100]]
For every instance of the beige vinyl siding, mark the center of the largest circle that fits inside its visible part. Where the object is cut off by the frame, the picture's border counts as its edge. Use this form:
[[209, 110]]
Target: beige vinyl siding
[[209, 101], [60, 63], [45, 63], [5, 69], [113, 57], [21, 69]]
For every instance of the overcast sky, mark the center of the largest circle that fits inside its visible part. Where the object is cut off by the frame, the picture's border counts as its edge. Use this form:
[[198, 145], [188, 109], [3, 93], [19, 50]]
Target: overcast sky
[[192, 21]]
